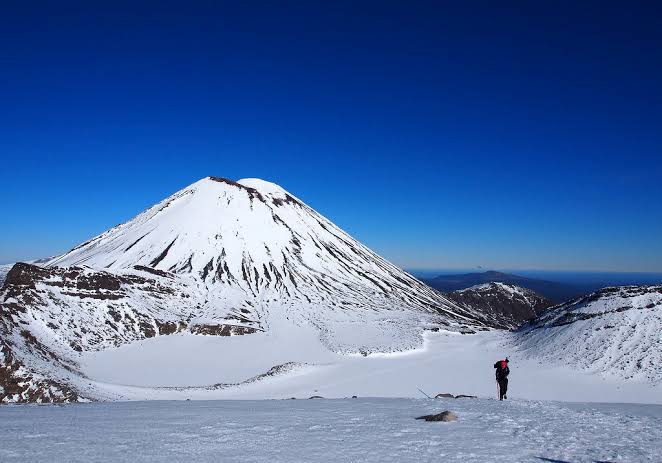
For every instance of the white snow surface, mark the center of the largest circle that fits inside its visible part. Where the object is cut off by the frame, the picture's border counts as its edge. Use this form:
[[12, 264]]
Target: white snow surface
[[366, 430], [448, 362]]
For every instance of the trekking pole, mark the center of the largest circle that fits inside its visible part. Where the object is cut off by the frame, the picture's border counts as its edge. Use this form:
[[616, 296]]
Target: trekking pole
[[424, 393]]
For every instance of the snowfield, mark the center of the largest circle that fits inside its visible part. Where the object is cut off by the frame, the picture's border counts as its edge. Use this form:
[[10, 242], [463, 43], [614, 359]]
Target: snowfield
[[447, 362], [365, 430]]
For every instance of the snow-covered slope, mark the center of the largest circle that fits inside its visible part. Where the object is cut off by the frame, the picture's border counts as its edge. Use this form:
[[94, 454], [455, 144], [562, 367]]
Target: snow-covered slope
[[217, 258], [615, 332], [505, 305]]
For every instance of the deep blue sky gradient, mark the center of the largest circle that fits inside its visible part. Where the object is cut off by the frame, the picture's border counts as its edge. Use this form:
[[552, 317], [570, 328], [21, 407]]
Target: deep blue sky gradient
[[492, 134]]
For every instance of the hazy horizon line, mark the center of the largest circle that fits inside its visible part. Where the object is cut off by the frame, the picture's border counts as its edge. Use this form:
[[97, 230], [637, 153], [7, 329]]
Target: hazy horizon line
[[457, 270]]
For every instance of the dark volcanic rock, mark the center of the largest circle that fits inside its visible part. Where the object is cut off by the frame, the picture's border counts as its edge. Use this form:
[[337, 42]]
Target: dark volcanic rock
[[222, 330], [153, 271], [506, 306], [22, 274], [443, 416], [98, 281], [166, 328]]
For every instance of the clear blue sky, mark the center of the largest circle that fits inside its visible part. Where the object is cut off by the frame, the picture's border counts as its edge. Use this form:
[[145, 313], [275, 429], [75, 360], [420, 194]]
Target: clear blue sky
[[495, 135]]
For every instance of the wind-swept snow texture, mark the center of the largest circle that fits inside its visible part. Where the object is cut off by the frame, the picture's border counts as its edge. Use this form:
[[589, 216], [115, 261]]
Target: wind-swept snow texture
[[217, 258], [614, 332], [366, 430]]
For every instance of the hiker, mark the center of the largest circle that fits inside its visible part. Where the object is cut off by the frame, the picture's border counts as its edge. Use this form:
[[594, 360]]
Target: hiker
[[502, 371]]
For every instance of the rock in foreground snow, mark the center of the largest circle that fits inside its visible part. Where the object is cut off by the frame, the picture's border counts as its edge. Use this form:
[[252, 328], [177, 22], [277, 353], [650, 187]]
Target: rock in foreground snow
[[443, 416]]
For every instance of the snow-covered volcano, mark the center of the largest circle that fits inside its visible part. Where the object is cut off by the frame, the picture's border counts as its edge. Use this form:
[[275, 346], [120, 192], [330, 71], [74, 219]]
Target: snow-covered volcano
[[252, 241], [216, 258]]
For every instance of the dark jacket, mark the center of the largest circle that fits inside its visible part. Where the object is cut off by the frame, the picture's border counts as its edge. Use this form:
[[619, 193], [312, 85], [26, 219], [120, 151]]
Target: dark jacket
[[501, 373]]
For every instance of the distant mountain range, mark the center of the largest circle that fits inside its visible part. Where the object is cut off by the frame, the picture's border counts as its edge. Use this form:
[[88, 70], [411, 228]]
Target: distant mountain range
[[553, 290]]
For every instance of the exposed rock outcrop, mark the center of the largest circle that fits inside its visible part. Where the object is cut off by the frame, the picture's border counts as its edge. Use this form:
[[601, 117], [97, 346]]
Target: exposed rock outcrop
[[443, 416], [506, 306]]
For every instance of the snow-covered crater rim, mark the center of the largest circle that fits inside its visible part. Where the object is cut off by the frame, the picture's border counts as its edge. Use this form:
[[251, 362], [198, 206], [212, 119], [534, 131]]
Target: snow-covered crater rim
[[263, 187]]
